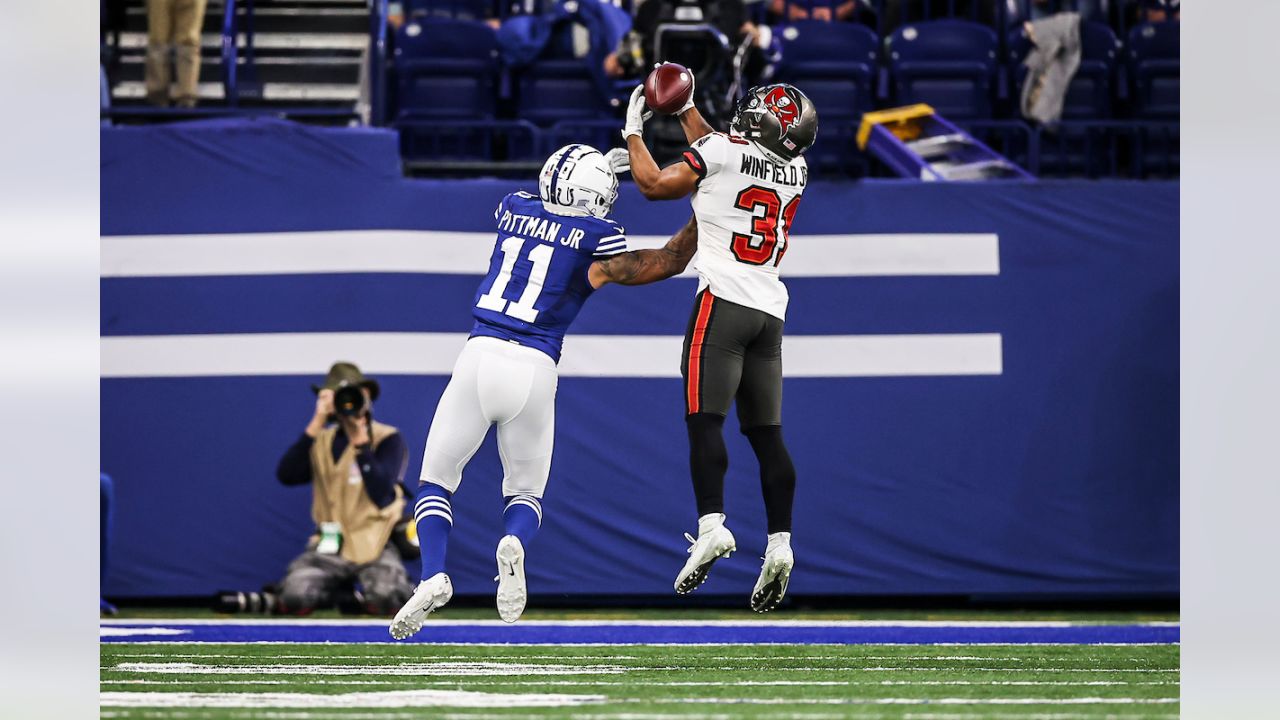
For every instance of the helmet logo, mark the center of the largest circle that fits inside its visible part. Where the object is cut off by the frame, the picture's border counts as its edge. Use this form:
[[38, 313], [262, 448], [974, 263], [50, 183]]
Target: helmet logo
[[783, 106]]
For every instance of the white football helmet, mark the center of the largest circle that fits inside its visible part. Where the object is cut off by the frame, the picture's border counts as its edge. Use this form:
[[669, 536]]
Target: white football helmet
[[577, 180]]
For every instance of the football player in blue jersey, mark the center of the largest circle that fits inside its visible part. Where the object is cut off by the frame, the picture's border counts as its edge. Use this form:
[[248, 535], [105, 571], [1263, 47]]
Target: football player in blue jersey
[[552, 251]]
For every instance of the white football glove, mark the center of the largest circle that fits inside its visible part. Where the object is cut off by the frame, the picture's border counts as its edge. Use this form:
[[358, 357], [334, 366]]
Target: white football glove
[[619, 160], [637, 113]]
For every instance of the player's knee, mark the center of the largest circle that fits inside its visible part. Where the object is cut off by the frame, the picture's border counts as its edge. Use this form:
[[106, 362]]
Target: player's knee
[[527, 477], [771, 452], [706, 439], [704, 422], [444, 481]]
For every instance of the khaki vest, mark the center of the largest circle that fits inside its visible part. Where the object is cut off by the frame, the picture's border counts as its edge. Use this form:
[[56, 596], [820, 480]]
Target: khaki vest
[[339, 496]]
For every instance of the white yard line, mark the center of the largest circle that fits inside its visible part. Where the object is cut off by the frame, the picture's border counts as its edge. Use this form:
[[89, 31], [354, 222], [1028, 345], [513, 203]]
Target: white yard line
[[500, 668], [465, 669], [643, 683], [366, 658], [462, 698], [393, 699]]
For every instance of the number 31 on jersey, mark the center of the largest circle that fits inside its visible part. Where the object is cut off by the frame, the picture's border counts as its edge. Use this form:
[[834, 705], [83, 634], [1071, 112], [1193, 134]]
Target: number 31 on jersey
[[767, 229]]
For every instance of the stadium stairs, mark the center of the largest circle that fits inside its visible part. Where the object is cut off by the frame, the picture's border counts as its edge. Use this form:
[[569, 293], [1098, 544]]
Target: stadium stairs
[[306, 59]]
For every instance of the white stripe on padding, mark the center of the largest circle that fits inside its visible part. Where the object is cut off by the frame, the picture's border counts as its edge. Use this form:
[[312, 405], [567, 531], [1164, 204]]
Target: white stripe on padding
[[655, 356], [603, 240], [441, 508], [530, 502], [433, 500], [420, 514], [434, 513], [429, 251]]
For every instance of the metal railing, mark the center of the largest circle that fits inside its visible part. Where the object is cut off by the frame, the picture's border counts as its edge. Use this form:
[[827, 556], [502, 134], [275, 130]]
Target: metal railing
[[238, 79], [377, 62], [230, 54]]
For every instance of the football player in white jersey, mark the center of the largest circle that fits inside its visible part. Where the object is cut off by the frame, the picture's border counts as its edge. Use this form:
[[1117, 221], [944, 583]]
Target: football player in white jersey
[[746, 186]]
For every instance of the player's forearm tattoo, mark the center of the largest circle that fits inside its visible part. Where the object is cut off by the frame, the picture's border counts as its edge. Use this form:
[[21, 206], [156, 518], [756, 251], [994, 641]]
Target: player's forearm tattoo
[[639, 267]]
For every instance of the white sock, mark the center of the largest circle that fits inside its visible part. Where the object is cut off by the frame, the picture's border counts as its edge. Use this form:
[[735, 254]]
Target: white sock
[[777, 540], [709, 522]]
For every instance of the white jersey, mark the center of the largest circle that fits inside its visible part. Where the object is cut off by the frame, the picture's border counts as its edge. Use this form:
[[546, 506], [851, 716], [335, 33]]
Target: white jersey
[[744, 203]]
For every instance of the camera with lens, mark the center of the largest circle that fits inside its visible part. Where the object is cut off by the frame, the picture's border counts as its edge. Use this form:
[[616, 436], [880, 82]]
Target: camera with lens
[[348, 399], [630, 54]]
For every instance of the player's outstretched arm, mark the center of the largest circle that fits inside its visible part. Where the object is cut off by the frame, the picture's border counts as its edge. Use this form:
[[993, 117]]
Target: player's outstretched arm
[[640, 267], [674, 181], [695, 126]]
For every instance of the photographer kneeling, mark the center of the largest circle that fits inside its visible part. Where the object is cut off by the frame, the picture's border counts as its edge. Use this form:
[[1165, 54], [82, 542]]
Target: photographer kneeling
[[355, 467]]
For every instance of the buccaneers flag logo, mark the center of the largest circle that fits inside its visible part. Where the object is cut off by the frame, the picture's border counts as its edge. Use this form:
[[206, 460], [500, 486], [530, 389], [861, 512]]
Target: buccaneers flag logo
[[783, 106]]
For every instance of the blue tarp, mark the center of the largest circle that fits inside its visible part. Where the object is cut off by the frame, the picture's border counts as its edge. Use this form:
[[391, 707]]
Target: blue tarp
[[1058, 476]]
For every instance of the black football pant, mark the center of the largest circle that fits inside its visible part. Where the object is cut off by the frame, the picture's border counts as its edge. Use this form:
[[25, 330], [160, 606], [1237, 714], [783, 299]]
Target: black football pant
[[734, 353]]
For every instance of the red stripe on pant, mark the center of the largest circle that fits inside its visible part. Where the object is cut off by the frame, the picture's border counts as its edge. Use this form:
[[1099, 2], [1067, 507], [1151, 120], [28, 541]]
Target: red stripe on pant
[[695, 349]]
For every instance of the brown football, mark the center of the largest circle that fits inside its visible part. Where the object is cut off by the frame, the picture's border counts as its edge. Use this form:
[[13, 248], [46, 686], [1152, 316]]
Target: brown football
[[668, 88]]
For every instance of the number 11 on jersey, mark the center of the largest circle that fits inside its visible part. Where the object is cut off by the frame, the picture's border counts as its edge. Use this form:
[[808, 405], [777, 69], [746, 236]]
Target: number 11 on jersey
[[522, 308]]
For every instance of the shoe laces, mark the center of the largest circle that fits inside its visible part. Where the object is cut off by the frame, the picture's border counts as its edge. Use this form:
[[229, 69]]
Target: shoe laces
[[692, 542]]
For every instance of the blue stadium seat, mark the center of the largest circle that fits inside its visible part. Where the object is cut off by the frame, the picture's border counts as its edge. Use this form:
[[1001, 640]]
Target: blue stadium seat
[[1089, 96], [454, 9], [1155, 69], [556, 90], [835, 65], [446, 69], [949, 64]]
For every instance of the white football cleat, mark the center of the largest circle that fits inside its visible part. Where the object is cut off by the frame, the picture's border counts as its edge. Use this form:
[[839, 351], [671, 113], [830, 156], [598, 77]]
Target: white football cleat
[[513, 593], [430, 595], [715, 543], [774, 576]]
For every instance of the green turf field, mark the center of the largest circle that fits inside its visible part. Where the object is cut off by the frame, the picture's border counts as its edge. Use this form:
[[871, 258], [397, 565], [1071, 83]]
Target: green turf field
[[806, 682]]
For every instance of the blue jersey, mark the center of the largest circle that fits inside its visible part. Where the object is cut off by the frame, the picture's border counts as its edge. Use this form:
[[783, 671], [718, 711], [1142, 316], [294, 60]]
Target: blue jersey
[[537, 277]]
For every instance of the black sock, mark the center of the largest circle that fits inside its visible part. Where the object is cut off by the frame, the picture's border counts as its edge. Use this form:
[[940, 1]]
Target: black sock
[[708, 461], [777, 475]]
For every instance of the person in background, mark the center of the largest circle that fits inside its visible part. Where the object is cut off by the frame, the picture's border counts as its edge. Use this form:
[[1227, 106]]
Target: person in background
[[821, 10], [729, 17], [1154, 11], [173, 25], [355, 465]]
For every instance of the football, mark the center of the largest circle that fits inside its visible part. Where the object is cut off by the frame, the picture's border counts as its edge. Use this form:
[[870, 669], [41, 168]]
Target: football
[[668, 88]]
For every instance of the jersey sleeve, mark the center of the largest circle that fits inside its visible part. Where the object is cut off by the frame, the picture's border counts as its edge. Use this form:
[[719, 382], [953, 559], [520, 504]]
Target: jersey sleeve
[[502, 204], [612, 241], [707, 154]]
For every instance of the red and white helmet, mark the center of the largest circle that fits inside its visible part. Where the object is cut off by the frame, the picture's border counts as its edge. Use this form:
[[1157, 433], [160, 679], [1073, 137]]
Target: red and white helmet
[[577, 180]]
